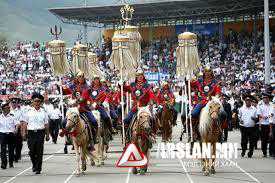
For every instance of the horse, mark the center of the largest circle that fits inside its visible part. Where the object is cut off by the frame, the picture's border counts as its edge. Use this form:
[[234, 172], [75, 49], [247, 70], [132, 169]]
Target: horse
[[210, 131], [79, 132], [140, 133], [166, 118], [103, 137]]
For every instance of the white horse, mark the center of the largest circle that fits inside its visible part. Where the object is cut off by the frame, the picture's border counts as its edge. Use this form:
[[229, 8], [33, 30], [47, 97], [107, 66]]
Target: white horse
[[78, 131], [210, 131]]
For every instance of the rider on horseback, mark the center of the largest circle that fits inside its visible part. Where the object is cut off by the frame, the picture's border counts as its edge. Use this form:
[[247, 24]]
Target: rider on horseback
[[114, 100], [203, 89], [96, 97], [141, 93], [166, 98], [77, 89]]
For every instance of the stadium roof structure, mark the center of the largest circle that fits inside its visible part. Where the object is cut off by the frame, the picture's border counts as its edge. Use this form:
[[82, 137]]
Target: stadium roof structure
[[185, 10]]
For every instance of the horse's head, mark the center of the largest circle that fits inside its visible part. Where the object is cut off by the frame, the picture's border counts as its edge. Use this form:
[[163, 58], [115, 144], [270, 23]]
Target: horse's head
[[143, 116], [73, 118], [215, 107]]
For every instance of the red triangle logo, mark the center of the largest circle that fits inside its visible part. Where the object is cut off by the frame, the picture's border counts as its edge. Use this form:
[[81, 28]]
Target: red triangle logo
[[132, 157]]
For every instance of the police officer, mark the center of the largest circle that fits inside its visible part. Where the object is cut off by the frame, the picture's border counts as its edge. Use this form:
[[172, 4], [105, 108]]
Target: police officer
[[17, 111], [247, 116], [8, 127], [265, 113], [37, 126], [55, 121]]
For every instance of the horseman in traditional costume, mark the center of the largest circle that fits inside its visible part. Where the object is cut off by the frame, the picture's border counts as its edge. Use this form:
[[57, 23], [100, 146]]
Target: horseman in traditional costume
[[141, 93], [203, 89], [166, 98], [76, 90], [114, 102], [77, 87], [96, 98]]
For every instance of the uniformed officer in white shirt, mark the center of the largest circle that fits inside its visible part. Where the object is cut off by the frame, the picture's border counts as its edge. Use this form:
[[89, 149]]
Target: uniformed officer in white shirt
[[55, 121], [247, 117], [38, 127], [18, 112], [265, 113], [8, 128]]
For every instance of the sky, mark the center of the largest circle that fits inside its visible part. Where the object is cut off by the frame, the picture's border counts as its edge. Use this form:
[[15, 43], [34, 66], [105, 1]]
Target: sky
[[31, 20]]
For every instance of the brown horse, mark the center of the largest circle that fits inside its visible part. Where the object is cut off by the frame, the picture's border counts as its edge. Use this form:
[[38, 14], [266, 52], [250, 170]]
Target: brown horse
[[103, 137], [165, 119], [210, 131], [140, 132], [78, 130]]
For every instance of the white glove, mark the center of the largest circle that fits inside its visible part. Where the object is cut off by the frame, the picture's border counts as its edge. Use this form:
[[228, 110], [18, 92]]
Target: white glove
[[120, 82], [94, 105], [105, 105]]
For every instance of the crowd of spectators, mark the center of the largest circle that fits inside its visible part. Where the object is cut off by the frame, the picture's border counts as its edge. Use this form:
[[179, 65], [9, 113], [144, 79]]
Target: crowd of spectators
[[238, 62], [25, 69]]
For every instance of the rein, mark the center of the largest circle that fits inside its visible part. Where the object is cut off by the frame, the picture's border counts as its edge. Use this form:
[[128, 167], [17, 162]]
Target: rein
[[74, 133]]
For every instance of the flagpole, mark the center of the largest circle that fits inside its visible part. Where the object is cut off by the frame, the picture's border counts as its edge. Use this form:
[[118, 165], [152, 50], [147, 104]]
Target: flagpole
[[186, 111], [190, 104], [61, 98], [122, 96]]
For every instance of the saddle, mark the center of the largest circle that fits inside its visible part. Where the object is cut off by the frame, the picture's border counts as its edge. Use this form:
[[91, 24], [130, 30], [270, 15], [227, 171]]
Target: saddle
[[91, 130]]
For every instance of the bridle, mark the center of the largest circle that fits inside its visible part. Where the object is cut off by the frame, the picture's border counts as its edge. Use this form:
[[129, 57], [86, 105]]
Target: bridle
[[74, 122]]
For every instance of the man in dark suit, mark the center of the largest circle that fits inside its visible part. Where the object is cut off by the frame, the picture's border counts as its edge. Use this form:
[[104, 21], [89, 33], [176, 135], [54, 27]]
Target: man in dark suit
[[228, 112]]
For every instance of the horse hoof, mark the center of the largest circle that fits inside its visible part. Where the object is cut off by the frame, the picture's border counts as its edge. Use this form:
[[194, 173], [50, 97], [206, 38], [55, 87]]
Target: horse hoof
[[206, 173], [213, 171], [134, 171], [65, 150], [92, 163], [97, 164], [84, 168]]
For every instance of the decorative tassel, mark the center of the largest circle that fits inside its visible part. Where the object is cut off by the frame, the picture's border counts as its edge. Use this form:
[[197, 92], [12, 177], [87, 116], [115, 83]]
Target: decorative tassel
[[94, 69], [58, 62], [187, 54], [121, 58]]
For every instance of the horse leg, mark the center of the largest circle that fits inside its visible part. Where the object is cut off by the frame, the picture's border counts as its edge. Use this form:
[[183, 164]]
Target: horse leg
[[102, 150], [212, 170], [170, 131], [203, 165], [77, 158], [83, 160], [206, 171], [97, 155]]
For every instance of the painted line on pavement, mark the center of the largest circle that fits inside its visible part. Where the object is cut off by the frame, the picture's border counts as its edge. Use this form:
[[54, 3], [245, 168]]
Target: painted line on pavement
[[11, 179], [245, 172], [185, 170], [69, 178]]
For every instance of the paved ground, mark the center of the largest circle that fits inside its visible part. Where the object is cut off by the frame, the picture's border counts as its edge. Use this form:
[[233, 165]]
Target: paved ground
[[58, 167]]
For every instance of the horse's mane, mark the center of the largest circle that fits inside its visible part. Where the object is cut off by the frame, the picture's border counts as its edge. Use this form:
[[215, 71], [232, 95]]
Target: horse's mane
[[72, 110], [205, 120], [144, 110]]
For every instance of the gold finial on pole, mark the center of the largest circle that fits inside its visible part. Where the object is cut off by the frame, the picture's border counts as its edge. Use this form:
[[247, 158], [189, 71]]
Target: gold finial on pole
[[127, 13]]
